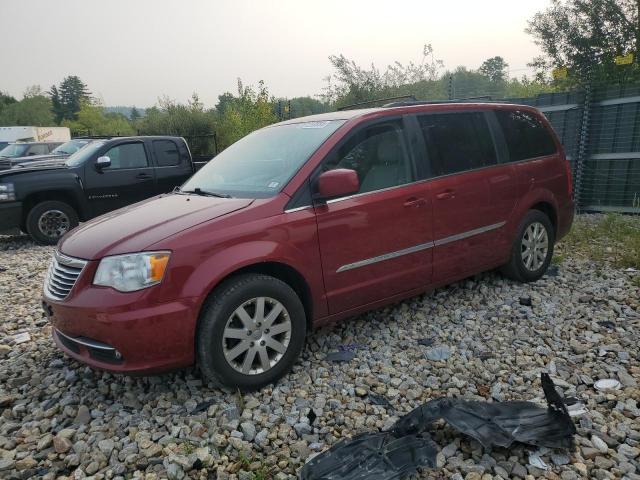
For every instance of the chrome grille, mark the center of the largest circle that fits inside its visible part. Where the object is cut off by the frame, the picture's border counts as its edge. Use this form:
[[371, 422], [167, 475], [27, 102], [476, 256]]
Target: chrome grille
[[62, 275]]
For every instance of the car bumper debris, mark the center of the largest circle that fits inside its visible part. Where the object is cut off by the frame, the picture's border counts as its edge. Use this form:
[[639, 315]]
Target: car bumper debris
[[408, 446]]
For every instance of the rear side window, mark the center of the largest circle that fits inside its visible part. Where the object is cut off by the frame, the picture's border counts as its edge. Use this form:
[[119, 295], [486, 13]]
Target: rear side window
[[457, 142], [41, 149], [525, 135], [166, 152]]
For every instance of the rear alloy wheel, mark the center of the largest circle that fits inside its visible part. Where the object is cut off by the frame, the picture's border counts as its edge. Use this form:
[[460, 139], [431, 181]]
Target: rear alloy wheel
[[532, 249], [48, 221], [534, 246], [251, 331]]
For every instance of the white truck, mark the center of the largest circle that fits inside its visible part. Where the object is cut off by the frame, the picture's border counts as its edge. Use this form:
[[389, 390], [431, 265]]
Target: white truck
[[34, 134]]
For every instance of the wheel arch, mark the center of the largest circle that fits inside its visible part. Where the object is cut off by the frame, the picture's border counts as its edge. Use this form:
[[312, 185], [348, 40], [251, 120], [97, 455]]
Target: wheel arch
[[65, 196], [283, 272], [550, 211]]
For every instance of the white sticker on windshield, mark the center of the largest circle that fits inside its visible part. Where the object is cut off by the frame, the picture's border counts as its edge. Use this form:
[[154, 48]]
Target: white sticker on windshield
[[314, 124], [274, 185]]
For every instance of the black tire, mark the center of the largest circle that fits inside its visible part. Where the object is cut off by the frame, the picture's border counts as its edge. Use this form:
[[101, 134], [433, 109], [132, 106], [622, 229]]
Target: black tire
[[49, 233], [516, 268], [217, 311]]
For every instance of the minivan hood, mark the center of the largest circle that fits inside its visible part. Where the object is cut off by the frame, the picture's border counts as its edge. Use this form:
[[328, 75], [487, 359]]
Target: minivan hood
[[134, 228]]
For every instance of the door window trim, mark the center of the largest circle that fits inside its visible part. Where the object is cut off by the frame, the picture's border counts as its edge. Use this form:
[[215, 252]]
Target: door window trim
[[411, 156], [104, 152], [487, 114], [156, 163]]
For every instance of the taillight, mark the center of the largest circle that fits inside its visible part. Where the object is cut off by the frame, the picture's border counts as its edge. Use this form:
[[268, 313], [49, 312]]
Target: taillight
[[569, 177]]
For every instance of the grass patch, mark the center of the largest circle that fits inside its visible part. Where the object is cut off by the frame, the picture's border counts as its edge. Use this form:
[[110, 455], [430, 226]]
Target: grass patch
[[610, 238]]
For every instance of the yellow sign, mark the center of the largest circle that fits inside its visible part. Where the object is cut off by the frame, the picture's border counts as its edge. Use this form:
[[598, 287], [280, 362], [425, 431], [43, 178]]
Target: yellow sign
[[560, 72], [624, 59]]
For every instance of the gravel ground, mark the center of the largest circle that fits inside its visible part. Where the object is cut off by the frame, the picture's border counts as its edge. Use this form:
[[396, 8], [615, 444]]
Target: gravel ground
[[60, 419]]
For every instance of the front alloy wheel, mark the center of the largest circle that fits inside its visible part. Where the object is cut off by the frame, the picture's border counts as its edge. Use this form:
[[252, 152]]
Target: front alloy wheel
[[256, 335], [250, 332], [53, 224], [49, 220]]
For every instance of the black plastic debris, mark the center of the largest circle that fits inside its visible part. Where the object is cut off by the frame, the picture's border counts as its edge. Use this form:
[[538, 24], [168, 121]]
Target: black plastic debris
[[407, 446], [351, 347], [202, 406], [425, 342], [526, 301], [380, 400], [340, 356], [607, 324], [372, 456], [499, 423], [311, 416]]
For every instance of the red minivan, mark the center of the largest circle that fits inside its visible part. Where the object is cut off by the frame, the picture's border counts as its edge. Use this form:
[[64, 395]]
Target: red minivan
[[304, 223]]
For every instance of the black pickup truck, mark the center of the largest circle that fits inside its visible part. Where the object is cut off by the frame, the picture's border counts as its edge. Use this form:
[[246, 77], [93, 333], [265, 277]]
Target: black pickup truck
[[47, 199]]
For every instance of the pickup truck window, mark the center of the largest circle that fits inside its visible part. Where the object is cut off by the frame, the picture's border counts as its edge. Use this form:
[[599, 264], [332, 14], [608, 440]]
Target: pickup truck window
[[14, 150], [262, 163], [166, 152], [127, 155], [84, 154]]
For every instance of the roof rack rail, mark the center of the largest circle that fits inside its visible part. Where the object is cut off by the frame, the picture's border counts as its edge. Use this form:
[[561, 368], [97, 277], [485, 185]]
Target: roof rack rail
[[377, 100], [92, 137], [436, 102]]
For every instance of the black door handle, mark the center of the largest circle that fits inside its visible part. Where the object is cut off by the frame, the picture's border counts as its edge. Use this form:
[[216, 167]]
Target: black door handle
[[143, 176]]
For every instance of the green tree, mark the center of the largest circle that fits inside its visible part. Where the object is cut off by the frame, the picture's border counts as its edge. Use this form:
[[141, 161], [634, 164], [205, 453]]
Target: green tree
[[351, 83], [191, 121], [6, 99], [303, 106], [239, 115], [91, 120], [68, 98], [31, 110], [577, 34], [495, 68], [134, 116]]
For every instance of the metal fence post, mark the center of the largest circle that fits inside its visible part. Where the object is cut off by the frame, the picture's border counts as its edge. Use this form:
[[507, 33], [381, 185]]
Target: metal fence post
[[583, 139]]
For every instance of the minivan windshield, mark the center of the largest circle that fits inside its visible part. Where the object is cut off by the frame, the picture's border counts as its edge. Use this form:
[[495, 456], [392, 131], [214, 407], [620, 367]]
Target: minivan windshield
[[83, 154], [14, 150], [262, 163]]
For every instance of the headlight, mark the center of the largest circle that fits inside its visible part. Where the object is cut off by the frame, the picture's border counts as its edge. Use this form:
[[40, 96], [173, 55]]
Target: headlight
[[131, 272], [7, 192]]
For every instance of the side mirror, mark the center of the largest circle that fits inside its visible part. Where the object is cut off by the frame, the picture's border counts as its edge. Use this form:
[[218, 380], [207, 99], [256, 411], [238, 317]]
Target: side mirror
[[337, 183], [102, 163]]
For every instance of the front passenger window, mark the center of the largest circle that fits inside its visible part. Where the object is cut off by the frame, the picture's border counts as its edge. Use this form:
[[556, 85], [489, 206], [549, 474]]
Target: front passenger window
[[127, 155], [378, 154]]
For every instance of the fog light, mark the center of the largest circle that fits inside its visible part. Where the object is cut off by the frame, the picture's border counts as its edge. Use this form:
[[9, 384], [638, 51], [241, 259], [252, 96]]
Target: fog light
[[118, 355]]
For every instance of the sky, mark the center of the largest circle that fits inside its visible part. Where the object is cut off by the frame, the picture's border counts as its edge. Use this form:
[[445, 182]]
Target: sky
[[131, 52]]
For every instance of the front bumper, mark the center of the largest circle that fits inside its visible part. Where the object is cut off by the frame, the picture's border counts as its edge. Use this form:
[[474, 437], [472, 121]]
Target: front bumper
[[10, 215], [120, 336]]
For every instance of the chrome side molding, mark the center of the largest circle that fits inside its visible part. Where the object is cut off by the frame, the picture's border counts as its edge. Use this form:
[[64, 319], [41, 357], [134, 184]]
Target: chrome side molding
[[422, 246]]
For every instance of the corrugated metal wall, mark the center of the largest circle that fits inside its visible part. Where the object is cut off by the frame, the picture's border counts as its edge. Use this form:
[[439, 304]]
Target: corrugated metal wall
[[609, 174]]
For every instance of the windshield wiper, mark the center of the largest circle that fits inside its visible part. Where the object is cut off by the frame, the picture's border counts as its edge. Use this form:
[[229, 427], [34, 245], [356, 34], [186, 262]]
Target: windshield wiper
[[205, 193]]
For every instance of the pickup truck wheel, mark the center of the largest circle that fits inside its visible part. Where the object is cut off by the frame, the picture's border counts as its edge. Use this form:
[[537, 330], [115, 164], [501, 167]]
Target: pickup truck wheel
[[49, 220], [251, 331], [532, 248]]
